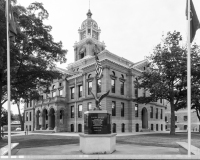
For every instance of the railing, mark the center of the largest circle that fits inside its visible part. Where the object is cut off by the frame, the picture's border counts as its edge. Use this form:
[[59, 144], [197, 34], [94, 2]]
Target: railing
[[50, 100]]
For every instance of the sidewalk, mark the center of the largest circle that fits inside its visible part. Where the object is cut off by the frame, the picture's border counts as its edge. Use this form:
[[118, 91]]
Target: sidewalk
[[21, 133]]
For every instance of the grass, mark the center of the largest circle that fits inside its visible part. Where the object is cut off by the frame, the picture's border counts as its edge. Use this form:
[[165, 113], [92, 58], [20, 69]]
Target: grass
[[161, 139], [156, 139]]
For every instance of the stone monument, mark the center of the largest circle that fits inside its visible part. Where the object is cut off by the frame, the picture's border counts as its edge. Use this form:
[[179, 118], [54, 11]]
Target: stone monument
[[97, 137]]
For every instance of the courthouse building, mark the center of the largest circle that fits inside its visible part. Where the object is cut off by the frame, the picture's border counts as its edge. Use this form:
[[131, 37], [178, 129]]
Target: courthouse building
[[63, 109]]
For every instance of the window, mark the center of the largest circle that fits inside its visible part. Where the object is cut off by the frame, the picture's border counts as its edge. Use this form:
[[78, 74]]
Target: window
[[72, 127], [114, 128], [161, 127], [61, 116], [165, 126], [122, 109], [89, 107], [113, 108], [79, 127], [98, 86], [136, 92], [151, 112], [60, 84], [72, 111], [26, 116], [27, 104], [185, 127], [136, 110], [30, 116], [137, 127], [123, 127], [30, 103], [156, 113], [185, 118], [60, 92], [152, 127], [72, 92], [89, 87], [122, 88], [161, 114], [161, 100], [156, 127], [80, 111], [144, 93], [175, 118], [112, 85], [80, 90], [89, 31], [53, 93], [165, 118]]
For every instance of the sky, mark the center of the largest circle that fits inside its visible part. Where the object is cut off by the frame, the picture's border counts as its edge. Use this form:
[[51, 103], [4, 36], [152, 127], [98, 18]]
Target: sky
[[129, 28]]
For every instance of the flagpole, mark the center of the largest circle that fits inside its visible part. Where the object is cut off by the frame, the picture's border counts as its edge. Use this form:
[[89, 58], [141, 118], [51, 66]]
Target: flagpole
[[8, 77], [189, 83]]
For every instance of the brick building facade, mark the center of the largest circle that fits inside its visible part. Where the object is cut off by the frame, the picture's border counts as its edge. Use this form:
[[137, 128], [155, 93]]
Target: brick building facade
[[69, 98]]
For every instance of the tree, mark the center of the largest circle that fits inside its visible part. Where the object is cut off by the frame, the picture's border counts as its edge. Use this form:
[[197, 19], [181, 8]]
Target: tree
[[4, 115], [195, 82], [33, 55], [166, 76]]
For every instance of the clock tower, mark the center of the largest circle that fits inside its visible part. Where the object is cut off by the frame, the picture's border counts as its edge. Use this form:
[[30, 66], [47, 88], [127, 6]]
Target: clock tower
[[89, 39]]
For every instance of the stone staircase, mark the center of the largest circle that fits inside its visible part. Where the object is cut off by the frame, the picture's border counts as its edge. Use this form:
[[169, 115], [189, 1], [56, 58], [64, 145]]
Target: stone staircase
[[145, 130]]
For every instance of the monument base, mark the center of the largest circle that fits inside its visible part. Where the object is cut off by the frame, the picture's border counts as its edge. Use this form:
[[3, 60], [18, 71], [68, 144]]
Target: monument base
[[97, 144]]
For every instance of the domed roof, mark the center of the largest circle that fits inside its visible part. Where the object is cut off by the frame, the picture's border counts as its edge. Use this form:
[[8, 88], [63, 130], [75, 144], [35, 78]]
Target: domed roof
[[89, 21]]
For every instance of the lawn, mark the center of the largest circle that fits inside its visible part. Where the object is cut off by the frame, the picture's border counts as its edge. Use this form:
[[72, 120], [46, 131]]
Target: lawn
[[161, 139], [155, 139]]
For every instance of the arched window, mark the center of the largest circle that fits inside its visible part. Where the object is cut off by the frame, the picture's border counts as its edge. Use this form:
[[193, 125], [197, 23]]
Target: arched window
[[26, 116], [152, 127], [114, 128], [30, 116], [89, 76], [53, 87], [123, 127], [62, 116], [79, 127], [113, 73]]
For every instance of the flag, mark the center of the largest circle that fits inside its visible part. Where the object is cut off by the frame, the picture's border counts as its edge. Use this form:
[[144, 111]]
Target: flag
[[194, 22], [12, 23], [98, 67]]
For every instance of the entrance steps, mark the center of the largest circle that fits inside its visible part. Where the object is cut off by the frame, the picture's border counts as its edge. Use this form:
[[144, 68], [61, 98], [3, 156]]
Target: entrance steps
[[43, 131], [145, 130]]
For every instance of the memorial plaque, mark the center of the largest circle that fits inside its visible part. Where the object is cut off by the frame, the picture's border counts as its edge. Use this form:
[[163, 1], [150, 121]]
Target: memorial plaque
[[97, 122]]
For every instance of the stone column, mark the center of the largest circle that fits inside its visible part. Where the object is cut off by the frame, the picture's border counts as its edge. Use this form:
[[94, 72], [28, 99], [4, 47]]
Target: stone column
[[50, 121], [43, 121], [37, 122], [56, 121]]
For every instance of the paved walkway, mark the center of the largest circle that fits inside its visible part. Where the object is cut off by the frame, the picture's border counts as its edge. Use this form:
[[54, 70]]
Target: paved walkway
[[21, 133], [73, 149], [123, 151]]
